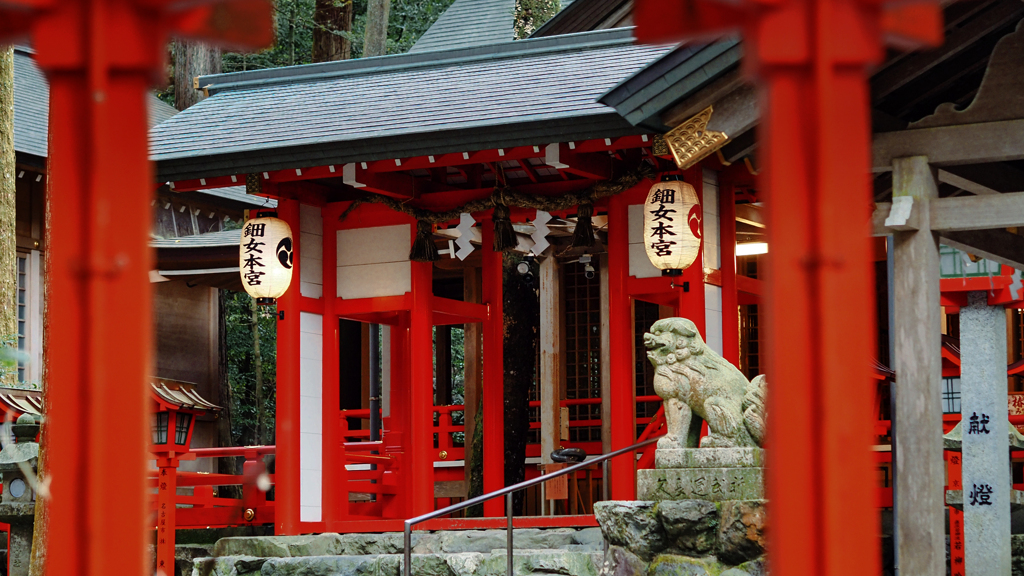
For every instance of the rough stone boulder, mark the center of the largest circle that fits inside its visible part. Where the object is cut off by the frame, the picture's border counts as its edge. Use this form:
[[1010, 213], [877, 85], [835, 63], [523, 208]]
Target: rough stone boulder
[[741, 532], [632, 525]]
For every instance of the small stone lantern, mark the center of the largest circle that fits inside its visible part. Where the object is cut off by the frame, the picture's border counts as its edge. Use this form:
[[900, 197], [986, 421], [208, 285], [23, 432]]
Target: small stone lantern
[[24, 451], [18, 502]]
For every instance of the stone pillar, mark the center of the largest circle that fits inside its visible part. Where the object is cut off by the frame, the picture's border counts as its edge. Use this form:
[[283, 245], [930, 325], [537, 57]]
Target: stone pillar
[[986, 463], [917, 418]]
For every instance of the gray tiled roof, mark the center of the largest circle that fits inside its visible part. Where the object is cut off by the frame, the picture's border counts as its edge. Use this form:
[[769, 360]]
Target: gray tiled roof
[[527, 92], [238, 195], [31, 106], [470, 23], [222, 238], [642, 97]]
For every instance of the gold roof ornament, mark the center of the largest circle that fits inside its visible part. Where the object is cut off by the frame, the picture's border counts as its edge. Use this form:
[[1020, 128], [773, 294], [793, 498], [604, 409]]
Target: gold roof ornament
[[691, 141]]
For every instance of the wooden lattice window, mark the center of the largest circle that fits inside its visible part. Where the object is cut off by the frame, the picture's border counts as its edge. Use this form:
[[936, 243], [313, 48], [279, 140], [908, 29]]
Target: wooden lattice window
[[22, 311], [750, 344], [582, 349], [645, 315]]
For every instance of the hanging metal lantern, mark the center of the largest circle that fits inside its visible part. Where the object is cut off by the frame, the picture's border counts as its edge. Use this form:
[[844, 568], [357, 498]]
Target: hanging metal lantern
[[265, 257], [672, 221]]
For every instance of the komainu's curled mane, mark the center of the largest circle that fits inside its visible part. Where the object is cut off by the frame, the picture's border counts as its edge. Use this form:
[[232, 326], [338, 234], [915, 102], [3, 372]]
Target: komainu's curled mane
[[692, 379]]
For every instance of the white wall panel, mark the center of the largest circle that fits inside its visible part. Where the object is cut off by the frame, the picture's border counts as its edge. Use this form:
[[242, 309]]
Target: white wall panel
[[639, 264], [310, 416], [311, 251], [713, 317], [712, 228], [374, 262]]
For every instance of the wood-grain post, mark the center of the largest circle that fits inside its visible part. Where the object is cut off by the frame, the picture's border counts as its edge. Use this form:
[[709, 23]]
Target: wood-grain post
[[471, 367], [606, 374], [918, 418], [550, 356]]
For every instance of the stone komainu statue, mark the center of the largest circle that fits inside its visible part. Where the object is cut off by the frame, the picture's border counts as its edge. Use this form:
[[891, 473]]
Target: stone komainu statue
[[692, 379]]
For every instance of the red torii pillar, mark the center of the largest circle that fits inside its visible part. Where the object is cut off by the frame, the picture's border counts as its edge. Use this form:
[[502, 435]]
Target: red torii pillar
[[811, 58], [100, 57]]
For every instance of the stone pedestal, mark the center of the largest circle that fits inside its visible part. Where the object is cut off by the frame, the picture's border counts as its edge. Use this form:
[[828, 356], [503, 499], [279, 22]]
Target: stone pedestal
[[20, 516], [712, 474]]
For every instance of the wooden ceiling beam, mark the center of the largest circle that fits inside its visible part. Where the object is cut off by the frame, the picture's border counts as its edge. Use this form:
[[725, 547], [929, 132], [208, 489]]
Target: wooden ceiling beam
[[907, 69], [751, 214], [1004, 247], [959, 213], [961, 144]]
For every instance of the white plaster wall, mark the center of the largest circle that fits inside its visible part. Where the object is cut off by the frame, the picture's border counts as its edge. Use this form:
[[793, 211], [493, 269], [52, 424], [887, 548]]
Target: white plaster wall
[[713, 260], [311, 251], [374, 262], [311, 416], [639, 264], [712, 230]]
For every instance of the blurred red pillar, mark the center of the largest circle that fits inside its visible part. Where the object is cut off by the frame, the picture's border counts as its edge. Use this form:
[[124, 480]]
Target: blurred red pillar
[[100, 57], [810, 58]]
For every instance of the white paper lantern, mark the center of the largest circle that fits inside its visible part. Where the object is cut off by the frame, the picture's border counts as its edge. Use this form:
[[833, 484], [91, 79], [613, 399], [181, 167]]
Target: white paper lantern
[[265, 257], [672, 225]]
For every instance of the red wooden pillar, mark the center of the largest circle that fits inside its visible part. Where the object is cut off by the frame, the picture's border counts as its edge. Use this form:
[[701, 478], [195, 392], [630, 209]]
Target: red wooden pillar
[[286, 492], [99, 57], [730, 304], [99, 342], [420, 440], [166, 487], [494, 374], [620, 342], [820, 474], [812, 57], [396, 432]]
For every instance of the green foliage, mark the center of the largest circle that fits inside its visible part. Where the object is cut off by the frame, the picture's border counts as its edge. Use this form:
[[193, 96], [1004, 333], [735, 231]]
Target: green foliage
[[407, 21], [532, 14], [242, 368], [10, 356]]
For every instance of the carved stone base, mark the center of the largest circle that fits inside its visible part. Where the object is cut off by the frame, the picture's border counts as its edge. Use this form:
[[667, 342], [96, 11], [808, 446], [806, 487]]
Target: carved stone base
[[713, 484], [709, 458]]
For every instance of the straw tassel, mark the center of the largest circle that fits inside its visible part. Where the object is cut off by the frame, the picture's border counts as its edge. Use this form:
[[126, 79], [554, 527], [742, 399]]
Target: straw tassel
[[423, 248], [583, 236], [504, 234]]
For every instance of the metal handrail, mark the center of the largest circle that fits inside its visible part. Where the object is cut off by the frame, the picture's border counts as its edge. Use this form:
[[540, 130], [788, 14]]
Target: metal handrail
[[507, 492]]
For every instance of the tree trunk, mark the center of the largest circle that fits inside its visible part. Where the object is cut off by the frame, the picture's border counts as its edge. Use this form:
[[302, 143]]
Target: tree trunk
[[192, 59], [375, 42], [257, 360], [522, 322], [225, 465], [8, 240], [331, 16], [37, 558]]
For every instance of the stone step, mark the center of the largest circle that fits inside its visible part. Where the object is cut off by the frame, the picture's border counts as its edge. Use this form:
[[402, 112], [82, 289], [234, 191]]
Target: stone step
[[447, 542], [526, 562]]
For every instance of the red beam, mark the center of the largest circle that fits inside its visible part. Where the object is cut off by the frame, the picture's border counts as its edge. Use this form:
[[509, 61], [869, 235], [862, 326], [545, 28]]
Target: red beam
[[347, 308], [400, 188], [462, 312], [490, 523]]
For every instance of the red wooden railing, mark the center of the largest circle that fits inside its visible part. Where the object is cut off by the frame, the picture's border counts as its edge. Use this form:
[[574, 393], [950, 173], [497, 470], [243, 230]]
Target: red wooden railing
[[203, 510]]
